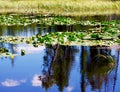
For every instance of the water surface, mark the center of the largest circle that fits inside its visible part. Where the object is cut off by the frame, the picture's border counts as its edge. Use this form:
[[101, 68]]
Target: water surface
[[57, 68]]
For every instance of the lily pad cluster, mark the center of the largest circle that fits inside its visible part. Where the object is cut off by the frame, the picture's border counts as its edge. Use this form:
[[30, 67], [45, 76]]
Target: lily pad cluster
[[112, 23], [97, 36], [13, 39], [76, 38], [10, 20], [101, 33], [4, 51], [106, 31], [57, 21], [60, 37]]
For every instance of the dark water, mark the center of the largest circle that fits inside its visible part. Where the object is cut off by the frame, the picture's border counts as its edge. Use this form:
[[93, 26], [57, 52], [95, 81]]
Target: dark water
[[57, 68]]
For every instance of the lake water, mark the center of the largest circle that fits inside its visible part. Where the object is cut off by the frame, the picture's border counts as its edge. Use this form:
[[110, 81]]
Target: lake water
[[57, 68]]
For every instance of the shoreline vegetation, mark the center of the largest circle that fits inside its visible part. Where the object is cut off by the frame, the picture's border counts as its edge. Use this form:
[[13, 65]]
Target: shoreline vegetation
[[59, 7]]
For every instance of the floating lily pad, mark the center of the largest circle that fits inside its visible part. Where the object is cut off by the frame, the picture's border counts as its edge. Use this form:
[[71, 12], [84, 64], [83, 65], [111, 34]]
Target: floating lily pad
[[10, 20], [58, 20]]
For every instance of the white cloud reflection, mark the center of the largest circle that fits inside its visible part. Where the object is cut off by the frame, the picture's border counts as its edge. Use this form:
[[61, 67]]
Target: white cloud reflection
[[28, 48], [69, 89], [12, 83], [36, 81]]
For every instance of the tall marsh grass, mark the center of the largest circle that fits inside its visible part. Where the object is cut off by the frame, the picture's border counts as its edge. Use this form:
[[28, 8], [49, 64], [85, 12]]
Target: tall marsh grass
[[60, 7]]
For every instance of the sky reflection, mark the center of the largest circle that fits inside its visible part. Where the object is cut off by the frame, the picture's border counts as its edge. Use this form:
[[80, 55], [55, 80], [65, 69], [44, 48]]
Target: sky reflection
[[59, 68], [36, 81], [12, 83]]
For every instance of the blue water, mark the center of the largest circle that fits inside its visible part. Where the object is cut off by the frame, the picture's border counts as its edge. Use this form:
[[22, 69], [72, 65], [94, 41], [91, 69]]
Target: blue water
[[43, 69], [22, 74]]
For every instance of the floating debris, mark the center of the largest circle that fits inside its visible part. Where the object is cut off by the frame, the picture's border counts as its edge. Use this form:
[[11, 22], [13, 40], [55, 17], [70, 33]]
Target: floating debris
[[22, 52]]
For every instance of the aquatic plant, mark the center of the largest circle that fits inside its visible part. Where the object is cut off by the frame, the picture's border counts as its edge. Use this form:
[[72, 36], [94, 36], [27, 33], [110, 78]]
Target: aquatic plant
[[96, 36], [57, 20], [101, 33], [10, 20], [4, 51], [12, 56], [118, 41], [13, 39], [22, 52], [75, 38]]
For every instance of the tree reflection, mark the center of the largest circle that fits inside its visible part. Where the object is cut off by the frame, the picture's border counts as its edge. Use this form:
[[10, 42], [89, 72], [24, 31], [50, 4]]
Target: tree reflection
[[27, 31], [58, 61], [57, 65], [10, 47], [95, 70]]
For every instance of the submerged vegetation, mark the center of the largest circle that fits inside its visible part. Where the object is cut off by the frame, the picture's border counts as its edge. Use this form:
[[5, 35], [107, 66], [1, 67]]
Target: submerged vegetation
[[57, 7]]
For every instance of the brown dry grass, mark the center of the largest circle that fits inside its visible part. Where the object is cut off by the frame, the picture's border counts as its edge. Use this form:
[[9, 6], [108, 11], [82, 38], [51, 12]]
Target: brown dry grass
[[60, 7]]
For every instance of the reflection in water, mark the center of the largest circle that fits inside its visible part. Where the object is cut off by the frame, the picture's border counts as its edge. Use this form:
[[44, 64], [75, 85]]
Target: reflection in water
[[63, 68], [99, 17], [18, 30], [57, 65], [35, 28], [35, 81], [59, 60], [12, 83], [16, 50], [101, 77]]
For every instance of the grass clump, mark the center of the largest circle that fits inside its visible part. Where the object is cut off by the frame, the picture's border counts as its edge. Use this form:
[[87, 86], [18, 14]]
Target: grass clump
[[57, 7]]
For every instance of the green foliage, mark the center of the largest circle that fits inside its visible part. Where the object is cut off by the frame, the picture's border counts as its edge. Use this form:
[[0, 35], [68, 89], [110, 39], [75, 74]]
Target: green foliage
[[118, 41], [58, 20], [96, 36], [101, 33], [10, 20], [3, 50], [60, 37], [105, 31]]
